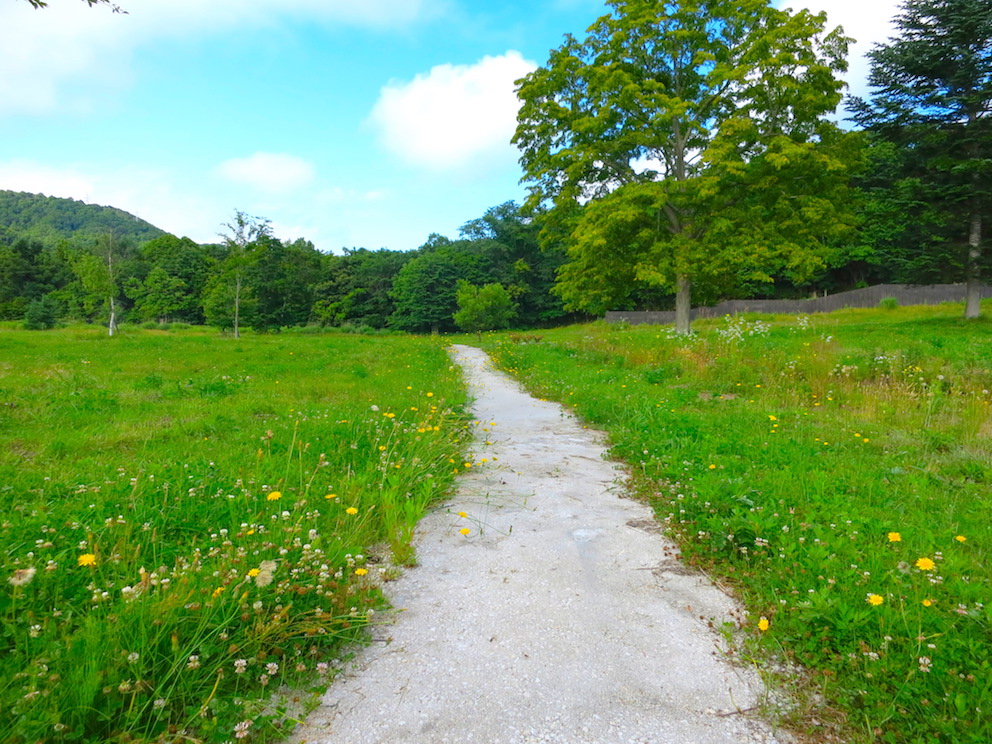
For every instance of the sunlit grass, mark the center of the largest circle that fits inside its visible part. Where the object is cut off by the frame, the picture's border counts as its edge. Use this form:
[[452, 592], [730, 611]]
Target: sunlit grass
[[192, 523], [784, 453]]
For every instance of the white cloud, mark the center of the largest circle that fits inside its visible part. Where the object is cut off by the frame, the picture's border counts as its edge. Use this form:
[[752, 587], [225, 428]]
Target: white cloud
[[867, 21], [62, 56], [454, 115], [35, 178], [150, 194], [273, 173]]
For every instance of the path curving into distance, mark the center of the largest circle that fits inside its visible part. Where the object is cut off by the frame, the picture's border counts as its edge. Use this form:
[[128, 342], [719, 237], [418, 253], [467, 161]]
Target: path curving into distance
[[561, 619]]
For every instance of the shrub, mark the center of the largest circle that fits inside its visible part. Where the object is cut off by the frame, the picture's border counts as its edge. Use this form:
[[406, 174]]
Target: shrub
[[42, 314], [889, 303]]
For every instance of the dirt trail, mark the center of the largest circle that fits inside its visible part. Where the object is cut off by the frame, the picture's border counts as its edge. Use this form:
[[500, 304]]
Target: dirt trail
[[559, 619]]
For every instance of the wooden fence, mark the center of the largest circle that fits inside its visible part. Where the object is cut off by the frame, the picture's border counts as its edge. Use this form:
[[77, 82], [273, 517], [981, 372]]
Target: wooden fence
[[930, 294]]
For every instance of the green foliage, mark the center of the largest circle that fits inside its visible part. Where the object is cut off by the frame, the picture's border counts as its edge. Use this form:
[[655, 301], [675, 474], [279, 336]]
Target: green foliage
[[49, 219], [888, 303], [243, 236], [486, 308], [425, 289], [219, 304], [357, 287], [42, 314], [282, 277], [707, 115], [192, 524], [510, 242], [160, 296], [781, 453], [935, 112], [182, 259]]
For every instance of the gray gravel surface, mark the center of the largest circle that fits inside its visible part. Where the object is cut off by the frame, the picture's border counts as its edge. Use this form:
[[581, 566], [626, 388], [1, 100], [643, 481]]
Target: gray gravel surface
[[564, 617]]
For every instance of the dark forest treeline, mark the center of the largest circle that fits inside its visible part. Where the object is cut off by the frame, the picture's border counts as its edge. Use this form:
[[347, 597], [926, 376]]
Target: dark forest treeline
[[77, 257], [46, 245]]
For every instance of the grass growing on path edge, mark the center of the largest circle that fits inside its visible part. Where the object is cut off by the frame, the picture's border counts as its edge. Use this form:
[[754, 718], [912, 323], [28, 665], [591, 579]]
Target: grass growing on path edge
[[836, 471], [191, 524]]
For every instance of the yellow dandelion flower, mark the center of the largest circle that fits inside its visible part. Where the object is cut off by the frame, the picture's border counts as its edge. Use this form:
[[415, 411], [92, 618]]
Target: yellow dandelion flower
[[217, 592], [764, 624], [874, 599], [927, 602], [274, 496], [465, 530], [331, 496], [960, 538], [430, 395], [87, 559], [712, 467], [351, 510], [254, 572], [895, 537], [361, 571], [463, 515], [925, 564], [773, 418]]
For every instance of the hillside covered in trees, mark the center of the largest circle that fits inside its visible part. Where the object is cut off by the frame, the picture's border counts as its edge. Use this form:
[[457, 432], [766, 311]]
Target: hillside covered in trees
[[148, 275], [49, 219]]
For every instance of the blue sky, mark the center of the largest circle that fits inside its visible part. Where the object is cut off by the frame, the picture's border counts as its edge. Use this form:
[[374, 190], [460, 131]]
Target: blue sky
[[352, 123]]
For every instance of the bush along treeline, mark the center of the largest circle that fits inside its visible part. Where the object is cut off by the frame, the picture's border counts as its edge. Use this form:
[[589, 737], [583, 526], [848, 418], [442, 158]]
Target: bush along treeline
[[251, 279]]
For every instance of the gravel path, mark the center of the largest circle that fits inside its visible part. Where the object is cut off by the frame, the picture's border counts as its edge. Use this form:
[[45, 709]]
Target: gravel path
[[562, 618]]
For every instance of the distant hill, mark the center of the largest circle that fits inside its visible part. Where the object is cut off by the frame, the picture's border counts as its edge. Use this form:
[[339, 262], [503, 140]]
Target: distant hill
[[50, 218]]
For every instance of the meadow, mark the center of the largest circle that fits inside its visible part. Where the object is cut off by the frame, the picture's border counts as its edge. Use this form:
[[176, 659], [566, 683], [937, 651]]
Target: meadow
[[834, 472], [195, 529]]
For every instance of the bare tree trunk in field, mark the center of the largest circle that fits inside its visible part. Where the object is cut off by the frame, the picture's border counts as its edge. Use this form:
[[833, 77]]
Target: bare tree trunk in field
[[112, 326], [683, 305], [973, 308], [237, 304]]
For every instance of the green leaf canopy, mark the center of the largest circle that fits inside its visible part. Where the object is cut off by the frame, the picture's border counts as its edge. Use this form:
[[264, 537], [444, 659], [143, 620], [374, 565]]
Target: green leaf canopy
[[704, 122]]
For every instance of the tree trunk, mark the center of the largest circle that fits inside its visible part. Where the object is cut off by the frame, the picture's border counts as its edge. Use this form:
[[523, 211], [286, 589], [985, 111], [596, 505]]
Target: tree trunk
[[973, 307], [237, 303], [683, 305], [112, 325]]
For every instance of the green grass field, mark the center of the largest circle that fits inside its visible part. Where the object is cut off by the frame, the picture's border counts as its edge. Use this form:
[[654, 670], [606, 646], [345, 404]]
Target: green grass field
[[189, 522], [836, 471]]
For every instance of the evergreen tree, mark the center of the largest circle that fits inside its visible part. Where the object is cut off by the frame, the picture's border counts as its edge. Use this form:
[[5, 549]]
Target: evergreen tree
[[932, 97]]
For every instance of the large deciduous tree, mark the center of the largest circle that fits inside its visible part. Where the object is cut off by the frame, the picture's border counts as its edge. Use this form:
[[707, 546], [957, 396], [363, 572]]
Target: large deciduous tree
[[700, 125], [932, 97]]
